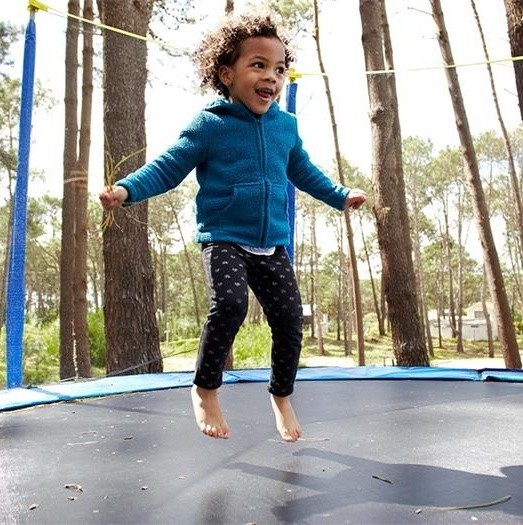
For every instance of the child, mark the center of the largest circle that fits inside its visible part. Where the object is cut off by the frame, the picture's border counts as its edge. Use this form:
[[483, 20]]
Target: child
[[245, 150]]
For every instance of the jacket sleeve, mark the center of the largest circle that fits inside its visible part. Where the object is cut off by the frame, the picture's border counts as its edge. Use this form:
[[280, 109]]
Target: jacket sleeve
[[307, 177], [171, 167]]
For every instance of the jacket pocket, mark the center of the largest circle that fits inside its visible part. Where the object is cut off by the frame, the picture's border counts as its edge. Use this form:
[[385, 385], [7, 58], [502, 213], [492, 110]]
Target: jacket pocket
[[243, 212]]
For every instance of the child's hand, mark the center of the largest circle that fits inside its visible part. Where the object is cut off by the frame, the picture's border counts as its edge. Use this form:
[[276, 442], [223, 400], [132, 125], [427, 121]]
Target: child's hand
[[355, 198], [113, 197]]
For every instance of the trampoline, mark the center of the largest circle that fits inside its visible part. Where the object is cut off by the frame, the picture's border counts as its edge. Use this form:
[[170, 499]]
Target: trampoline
[[381, 445]]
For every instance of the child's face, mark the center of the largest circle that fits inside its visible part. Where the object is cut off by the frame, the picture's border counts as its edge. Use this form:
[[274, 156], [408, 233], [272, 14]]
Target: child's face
[[257, 77]]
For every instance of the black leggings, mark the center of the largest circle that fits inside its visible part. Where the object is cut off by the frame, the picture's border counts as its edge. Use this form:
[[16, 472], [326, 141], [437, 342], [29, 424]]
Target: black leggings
[[230, 270]]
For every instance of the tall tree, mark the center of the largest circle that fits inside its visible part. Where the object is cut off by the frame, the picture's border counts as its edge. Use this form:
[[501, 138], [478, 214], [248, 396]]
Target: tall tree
[[80, 308], [9, 117], [317, 314], [416, 158], [513, 178], [74, 342], [129, 311], [9, 122], [67, 358], [514, 9], [339, 167], [507, 334], [446, 170], [390, 206]]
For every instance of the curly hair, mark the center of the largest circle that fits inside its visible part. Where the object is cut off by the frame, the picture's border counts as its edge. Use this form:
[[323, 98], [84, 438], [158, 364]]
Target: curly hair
[[221, 47]]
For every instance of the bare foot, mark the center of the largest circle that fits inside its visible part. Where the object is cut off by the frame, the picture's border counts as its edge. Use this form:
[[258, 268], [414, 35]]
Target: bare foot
[[208, 413], [286, 421]]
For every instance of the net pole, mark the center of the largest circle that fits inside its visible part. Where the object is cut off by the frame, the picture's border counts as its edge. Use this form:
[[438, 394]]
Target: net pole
[[290, 99], [15, 298]]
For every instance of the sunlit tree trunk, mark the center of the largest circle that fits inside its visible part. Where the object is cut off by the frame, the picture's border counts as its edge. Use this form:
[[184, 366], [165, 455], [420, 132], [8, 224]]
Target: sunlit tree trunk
[[9, 161], [80, 307], [339, 166], [486, 314], [189, 263], [506, 329], [375, 298], [459, 297], [318, 315], [514, 9], [68, 365], [95, 254], [389, 191], [513, 178], [129, 310], [450, 271]]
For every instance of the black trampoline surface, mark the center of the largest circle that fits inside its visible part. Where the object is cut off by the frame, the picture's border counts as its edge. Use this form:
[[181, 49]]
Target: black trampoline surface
[[374, 452]]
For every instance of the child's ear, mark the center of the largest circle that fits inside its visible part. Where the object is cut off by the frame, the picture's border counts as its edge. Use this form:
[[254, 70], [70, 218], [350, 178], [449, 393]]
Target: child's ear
[[225, 75]]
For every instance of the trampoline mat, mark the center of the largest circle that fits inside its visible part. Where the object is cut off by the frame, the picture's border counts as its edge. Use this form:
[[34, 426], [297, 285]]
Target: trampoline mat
[[374, 451]]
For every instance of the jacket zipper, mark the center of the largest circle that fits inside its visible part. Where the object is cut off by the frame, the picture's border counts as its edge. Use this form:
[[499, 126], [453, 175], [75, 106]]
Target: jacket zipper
[[263, 162]]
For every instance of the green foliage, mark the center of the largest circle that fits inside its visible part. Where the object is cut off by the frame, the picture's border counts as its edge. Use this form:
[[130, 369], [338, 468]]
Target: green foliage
[[96, 331], [9, 34], [252, 347], [184, 328], [41, 353], [518, 323], [41, 361]]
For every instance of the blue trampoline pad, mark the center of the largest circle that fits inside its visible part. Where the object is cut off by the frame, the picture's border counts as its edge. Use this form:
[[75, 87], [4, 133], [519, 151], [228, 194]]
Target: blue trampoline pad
[[24, 397], [396, 450]]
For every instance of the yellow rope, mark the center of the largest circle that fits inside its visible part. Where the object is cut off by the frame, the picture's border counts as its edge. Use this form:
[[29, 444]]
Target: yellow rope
[[293, 73], [36, 5]]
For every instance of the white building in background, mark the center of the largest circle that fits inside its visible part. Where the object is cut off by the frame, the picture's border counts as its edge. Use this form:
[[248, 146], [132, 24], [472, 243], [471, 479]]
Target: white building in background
[[474, 323]]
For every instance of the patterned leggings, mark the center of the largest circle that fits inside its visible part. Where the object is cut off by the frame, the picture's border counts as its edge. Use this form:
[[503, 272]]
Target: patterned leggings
[[230, 270]]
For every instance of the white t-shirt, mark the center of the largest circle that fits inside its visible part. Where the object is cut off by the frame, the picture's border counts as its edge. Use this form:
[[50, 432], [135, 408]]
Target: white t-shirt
[[259, 251]]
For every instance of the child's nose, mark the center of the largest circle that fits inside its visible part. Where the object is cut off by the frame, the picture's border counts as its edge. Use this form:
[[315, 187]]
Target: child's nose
[[271, 75]]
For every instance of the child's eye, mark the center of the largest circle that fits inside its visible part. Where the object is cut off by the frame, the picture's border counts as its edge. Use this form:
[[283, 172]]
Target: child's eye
[[259, 65], [281, 70]]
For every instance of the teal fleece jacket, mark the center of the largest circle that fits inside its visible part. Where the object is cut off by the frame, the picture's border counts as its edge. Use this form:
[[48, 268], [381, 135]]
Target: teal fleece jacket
[[243, 163]]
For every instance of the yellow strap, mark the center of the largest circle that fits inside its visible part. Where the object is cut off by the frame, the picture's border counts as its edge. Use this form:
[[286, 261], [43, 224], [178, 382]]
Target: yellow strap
[[36, 5], [293, 74]]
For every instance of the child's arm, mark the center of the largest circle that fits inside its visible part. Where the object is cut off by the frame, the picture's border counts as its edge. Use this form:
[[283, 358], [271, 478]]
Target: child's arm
[[355, 198], [113, 197]]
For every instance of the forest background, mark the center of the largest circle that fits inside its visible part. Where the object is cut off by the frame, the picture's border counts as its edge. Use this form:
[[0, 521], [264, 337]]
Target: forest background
[[442, 224]]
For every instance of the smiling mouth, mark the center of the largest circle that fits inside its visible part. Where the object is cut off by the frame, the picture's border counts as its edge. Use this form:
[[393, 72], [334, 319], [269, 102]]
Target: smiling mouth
[[265, 93]]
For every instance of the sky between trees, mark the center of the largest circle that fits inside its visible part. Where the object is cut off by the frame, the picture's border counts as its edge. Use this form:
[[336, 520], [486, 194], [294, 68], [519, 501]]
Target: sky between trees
[[424, 103]]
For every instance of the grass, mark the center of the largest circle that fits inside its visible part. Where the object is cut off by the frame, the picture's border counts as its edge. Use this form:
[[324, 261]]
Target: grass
[[252, 349]]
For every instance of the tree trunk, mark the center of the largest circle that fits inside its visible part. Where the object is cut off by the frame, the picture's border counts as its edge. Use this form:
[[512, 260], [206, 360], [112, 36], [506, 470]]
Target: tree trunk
[[418, 272], [80, 307], [450, 273], [377, 308], [350, 237], [68, 365], [486, 314], [317, 288], [129, 310], [390, 207], [506, 329], [11, 177], [514, 10], [513, 178], [188, 261], [459, 298]]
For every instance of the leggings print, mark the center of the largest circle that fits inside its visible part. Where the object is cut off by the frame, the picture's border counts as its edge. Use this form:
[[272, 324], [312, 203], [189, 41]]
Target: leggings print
[[230, 270]]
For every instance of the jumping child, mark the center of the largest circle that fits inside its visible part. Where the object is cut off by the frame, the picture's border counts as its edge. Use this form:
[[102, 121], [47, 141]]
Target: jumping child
[[245, 150]]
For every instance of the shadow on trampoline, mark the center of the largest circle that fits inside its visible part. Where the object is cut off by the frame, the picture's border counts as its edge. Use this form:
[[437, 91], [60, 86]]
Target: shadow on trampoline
[[374, 452], [425, 488]]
